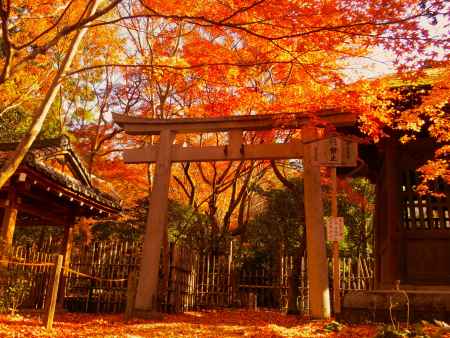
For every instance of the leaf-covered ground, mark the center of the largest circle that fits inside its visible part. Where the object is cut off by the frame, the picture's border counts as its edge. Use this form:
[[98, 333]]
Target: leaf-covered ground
[[226, 323]]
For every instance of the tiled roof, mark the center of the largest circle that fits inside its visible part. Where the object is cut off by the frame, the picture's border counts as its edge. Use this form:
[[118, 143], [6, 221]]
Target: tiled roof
[[81, 186]]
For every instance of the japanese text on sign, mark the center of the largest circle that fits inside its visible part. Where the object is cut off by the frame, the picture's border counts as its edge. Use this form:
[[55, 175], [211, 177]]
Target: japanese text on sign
[[335, 152], [335, 228]]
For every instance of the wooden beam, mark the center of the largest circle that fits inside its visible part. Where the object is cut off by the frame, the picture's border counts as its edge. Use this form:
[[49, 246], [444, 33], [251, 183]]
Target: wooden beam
[[149, 154], [53, 217], [317, 264], [235, 148], [44, 198], [144, 126]]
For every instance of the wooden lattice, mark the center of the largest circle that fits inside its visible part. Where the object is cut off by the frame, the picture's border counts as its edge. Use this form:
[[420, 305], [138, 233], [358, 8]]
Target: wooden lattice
[[423, 212]]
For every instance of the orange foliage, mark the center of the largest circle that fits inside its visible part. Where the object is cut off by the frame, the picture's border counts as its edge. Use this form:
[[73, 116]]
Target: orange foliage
[[209, 57], [429, 115], [240, 57], [206, 58], [191, 324], [221, 323]]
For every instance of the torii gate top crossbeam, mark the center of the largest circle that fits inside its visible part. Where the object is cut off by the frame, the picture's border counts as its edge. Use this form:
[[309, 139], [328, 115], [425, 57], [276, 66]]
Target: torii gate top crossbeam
[[145, 126]]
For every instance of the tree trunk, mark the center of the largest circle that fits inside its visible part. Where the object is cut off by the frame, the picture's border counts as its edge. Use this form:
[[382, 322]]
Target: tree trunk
[[12, 164]]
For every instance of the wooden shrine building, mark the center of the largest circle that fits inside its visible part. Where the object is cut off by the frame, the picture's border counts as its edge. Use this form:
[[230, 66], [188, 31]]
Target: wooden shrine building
[[411, 236], [412, 232], [51, 187]]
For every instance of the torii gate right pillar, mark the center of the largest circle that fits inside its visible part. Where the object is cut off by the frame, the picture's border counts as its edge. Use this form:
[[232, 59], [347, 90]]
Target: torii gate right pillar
[[317, 265]]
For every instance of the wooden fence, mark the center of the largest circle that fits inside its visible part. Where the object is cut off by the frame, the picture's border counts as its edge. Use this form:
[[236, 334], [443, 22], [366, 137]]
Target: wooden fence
[[356, 273], [26, 276], [213, 281], [196, 281], [287, 266], [206, 281], [96, 279]]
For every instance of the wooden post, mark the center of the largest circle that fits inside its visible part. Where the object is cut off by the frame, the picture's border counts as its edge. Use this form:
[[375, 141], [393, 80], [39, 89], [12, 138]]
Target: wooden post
[[230, 286], [66, 252], [317, 265], [174, 301], [9, 221], [392, 255], [336, 275], [388, 258], [165, 267], [147, 290], [131, 295], [50, 303]]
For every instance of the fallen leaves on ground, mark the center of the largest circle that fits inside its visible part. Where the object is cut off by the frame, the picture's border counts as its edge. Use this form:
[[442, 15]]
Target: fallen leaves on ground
[[221, 323]]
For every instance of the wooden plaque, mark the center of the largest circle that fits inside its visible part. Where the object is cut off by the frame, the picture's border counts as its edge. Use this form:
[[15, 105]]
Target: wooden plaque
[[335, 151]]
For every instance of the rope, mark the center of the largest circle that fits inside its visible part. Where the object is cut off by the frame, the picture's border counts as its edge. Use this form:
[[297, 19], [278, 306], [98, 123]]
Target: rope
[[26, 264], [78, 273]]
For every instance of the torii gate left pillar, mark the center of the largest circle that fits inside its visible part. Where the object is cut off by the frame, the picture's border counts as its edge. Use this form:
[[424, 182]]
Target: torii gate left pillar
[[147, 291]]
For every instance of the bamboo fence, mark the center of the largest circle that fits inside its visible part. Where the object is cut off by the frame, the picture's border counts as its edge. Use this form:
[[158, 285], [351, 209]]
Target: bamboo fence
[[96, 279]]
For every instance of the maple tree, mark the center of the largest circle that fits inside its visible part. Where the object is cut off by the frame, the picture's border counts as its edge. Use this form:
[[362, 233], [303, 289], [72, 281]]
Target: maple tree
[[265, 56], [411, 106], [196, 64], [214, 57], [164, 59], [23, 46]]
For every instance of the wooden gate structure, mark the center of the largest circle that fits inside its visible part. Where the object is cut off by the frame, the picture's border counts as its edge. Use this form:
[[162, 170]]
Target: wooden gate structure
[[165, 153]]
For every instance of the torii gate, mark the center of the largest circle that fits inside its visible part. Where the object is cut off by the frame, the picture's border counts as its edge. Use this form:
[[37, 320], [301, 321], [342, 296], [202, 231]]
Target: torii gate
[[164, 153]]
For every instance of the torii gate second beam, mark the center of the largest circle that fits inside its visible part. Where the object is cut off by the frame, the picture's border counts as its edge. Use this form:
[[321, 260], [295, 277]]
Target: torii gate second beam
[[165, 153]]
